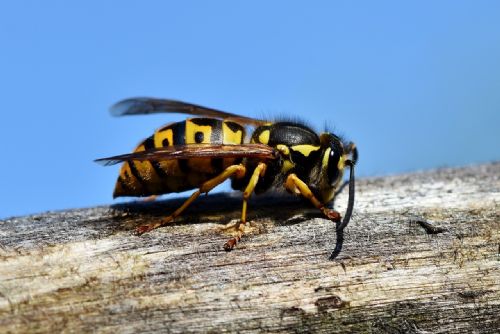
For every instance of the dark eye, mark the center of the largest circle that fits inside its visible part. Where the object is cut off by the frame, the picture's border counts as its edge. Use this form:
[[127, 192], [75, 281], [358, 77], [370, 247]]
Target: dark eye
[[333, 161]]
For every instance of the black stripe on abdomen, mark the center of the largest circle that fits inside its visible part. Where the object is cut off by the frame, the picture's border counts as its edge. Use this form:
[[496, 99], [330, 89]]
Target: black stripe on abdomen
[[179, 133], [215, 126], [179, 136], [149, 144], [138, 176]]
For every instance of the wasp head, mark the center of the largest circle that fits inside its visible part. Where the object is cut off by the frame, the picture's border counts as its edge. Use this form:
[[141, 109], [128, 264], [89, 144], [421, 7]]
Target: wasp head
[[333, 163]]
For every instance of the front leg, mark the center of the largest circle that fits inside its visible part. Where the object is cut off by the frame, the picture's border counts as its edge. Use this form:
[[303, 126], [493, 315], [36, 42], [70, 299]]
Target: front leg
[[298, 187]]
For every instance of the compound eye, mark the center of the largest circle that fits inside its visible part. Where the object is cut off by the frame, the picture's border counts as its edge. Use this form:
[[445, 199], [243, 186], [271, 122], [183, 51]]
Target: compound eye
[[333, 162]]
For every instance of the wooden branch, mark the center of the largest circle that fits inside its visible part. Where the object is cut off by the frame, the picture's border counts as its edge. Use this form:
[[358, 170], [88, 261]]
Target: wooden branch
[[421, 255]]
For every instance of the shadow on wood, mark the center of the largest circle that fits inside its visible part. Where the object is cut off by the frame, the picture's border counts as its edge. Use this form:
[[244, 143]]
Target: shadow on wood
[[221, 208], [421, 255]]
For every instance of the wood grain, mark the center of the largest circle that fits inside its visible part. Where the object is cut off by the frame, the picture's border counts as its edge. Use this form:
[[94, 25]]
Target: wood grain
[[421, 256]]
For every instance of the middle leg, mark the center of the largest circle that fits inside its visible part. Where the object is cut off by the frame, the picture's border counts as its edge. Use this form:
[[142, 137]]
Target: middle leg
[[257, 173]]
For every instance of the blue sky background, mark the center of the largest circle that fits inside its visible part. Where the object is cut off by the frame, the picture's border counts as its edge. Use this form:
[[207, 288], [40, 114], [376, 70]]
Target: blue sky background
[[416, 84]]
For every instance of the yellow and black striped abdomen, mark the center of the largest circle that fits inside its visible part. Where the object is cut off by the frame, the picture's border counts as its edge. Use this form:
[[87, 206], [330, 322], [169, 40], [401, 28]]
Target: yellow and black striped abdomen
[[144, 178]]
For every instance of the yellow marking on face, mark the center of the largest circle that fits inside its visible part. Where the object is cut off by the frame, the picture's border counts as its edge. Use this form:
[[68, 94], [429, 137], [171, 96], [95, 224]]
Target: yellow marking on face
[[163, 136], [326, 156], [341, 164], [305, 149], [192, 129], [264, 137], [231, 137]]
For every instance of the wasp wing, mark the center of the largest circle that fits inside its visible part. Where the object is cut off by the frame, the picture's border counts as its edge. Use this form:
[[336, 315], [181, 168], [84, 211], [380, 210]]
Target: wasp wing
[[195, 151], [146, 105]]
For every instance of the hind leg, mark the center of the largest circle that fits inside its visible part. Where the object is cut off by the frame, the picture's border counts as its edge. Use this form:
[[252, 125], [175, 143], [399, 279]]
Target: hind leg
[[238, 170]]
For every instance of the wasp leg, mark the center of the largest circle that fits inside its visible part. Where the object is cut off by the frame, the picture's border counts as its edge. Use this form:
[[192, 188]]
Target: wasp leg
[[238, 170], [297, 186], [257, 173]]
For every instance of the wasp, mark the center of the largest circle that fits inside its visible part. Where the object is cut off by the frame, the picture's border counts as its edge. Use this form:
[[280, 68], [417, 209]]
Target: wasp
[[203, 152]]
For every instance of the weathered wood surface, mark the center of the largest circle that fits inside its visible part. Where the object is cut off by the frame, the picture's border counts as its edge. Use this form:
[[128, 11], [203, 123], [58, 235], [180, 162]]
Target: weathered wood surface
[[85, 271]]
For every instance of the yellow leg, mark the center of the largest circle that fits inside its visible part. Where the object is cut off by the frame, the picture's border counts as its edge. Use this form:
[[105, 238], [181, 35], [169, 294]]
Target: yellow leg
[[257, 173], [297, 186], [238, 170]]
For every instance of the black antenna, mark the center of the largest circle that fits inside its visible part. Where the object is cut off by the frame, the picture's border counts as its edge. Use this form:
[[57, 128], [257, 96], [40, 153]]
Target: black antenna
[[340, 226]]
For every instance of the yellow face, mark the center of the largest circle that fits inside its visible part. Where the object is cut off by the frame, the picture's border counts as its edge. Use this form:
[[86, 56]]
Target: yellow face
[[333, 164]]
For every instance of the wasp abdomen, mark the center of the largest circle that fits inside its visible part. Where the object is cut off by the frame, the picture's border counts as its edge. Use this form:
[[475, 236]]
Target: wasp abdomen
[[144, 178]]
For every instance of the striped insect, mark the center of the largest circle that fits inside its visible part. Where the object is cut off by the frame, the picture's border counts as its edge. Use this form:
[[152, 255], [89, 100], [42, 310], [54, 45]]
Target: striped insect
[[203, 152]]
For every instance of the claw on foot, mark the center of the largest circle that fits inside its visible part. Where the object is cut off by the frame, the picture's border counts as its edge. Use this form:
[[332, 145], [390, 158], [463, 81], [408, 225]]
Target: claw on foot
[[229, 245], [332, 215], [143, 229]]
